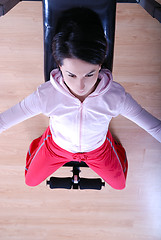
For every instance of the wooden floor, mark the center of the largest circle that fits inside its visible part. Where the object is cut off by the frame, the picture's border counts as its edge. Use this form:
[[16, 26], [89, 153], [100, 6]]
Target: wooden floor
[[42, 214]]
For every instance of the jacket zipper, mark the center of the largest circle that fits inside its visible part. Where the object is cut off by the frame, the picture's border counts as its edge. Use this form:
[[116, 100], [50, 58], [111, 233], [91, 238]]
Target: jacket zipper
[[80, 129]]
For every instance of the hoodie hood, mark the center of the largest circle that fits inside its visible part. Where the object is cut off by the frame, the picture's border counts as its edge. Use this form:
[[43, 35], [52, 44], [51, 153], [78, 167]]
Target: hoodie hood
[[104, 85]]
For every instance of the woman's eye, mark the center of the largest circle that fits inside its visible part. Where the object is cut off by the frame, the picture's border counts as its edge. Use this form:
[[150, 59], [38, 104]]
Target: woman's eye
[[89, 75], [70, 75]]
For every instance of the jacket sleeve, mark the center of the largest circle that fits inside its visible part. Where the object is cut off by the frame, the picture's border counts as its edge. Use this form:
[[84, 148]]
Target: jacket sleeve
[[134, 112], [27, 108]]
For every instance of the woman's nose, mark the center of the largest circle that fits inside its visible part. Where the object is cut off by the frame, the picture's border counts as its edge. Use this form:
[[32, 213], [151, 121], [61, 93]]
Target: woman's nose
[[81, 84]]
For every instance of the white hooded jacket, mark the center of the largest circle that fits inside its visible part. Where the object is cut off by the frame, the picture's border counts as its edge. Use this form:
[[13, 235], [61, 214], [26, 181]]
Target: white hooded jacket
[[80, 126]]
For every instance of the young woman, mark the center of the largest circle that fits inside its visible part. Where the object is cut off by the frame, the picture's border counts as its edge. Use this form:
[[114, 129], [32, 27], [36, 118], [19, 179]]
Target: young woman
[[81, 98]]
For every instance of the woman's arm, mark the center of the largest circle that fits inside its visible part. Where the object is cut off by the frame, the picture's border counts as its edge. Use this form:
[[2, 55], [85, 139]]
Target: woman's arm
[[25, 109], [133, 111]]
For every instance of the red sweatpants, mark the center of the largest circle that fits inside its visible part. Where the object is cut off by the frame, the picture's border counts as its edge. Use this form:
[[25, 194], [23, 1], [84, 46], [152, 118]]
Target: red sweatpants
[[45, 157]]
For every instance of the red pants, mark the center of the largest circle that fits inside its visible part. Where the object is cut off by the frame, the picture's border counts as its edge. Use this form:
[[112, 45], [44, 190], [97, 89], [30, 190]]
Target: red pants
[[45, 157]]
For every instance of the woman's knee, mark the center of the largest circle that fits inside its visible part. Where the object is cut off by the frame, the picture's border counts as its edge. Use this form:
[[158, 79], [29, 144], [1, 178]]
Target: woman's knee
[[31, 181]]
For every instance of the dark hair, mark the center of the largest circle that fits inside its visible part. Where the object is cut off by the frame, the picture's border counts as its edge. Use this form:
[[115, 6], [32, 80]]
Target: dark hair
[[79, 34]]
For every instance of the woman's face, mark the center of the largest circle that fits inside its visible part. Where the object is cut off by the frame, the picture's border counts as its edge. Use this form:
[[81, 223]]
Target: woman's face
[[80, 76]]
